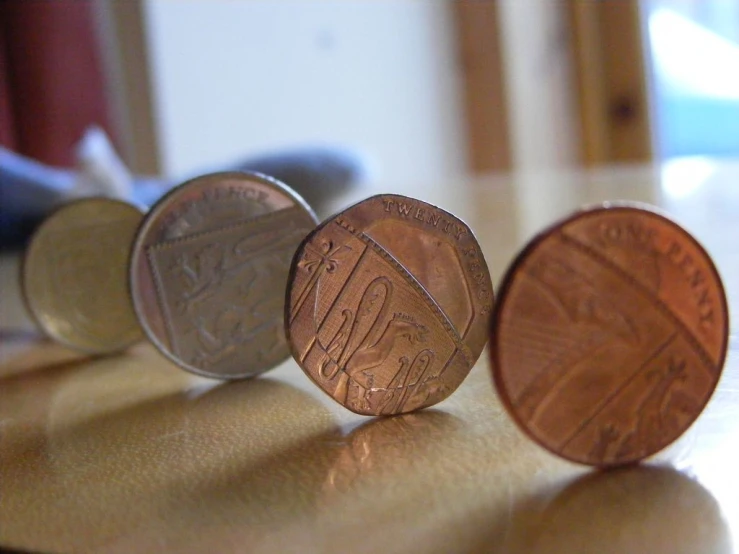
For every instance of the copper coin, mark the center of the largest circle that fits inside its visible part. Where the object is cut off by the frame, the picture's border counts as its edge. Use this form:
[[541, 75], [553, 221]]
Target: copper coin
[[387, 305], [74, 275], [208, 272], [609, 335]]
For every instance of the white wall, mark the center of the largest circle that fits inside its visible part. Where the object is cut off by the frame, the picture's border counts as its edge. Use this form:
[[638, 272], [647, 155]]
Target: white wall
[[540, 80], [235, 77]]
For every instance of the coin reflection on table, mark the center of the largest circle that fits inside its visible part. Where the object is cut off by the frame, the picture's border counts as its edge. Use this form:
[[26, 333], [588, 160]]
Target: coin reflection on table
[[407, 440], [609, 335], [637, 509], [208, 272], [74, 275], [387, 305]]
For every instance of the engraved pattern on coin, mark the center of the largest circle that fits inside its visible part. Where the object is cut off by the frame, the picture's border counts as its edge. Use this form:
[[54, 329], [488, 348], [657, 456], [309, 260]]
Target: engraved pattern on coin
[[215, 291], [609, 335], [74, 276], [216, 270], [369, 302]]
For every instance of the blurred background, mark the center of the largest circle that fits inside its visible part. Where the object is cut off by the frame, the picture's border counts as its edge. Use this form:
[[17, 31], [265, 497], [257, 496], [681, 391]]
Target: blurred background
[[421, 90]]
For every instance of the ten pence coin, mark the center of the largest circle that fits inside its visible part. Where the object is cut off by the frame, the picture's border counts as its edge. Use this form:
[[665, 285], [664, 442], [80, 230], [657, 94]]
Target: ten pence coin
[[208, 272], [74, 275], [387, 305], [609, 335]]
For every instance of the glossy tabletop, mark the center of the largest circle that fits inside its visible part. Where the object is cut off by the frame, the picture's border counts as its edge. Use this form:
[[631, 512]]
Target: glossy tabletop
[[130, 454]]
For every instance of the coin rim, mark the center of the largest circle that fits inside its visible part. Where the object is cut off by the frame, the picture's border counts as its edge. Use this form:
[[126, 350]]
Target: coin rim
[[293, 270], [507, 281], [24, 284], [137, 248]]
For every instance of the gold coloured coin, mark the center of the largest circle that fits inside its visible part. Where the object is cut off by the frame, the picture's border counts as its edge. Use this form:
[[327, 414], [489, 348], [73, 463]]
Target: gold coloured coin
[[208, 272], [74, 275]]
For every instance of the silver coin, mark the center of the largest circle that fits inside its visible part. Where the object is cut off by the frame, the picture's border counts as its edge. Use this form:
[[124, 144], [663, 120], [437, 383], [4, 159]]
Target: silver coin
[[209, 268]]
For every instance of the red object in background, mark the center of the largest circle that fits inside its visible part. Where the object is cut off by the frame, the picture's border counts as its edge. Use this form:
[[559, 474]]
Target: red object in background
[[7, 121], [52, 85]]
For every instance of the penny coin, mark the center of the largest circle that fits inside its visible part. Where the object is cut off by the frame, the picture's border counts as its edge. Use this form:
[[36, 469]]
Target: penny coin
[[609, 335], [208, 272], [387, 305], [74, 275]]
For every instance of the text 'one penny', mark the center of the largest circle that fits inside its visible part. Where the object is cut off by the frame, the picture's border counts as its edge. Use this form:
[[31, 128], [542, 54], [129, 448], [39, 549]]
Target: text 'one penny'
[[609, 335]]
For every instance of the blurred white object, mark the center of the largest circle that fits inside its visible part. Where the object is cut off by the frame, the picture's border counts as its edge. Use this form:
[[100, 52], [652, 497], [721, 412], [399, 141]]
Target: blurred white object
[[101, 172]]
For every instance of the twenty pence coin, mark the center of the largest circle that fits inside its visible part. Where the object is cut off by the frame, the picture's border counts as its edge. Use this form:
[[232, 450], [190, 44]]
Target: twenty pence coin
[[208, 272], [387, 305], [74, 275], [609, 335]]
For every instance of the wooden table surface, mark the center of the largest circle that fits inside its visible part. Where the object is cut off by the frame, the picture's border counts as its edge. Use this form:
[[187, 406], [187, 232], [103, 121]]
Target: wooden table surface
[[130, 454]]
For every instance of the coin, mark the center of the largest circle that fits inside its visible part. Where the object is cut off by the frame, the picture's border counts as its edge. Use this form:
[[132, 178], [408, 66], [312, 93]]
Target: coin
[[387, 305], [208, 272], [609, 335], [74, 275]]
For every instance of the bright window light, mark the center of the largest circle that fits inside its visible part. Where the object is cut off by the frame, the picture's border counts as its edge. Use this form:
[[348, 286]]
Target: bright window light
[[692, 59], [681, 177]]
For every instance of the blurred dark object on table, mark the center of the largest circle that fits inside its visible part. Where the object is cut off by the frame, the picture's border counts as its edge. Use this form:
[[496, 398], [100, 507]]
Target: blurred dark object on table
[[29, 190]]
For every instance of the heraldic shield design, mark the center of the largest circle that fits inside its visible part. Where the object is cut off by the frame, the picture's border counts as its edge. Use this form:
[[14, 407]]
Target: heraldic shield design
[[367, 330], [219, 291]]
